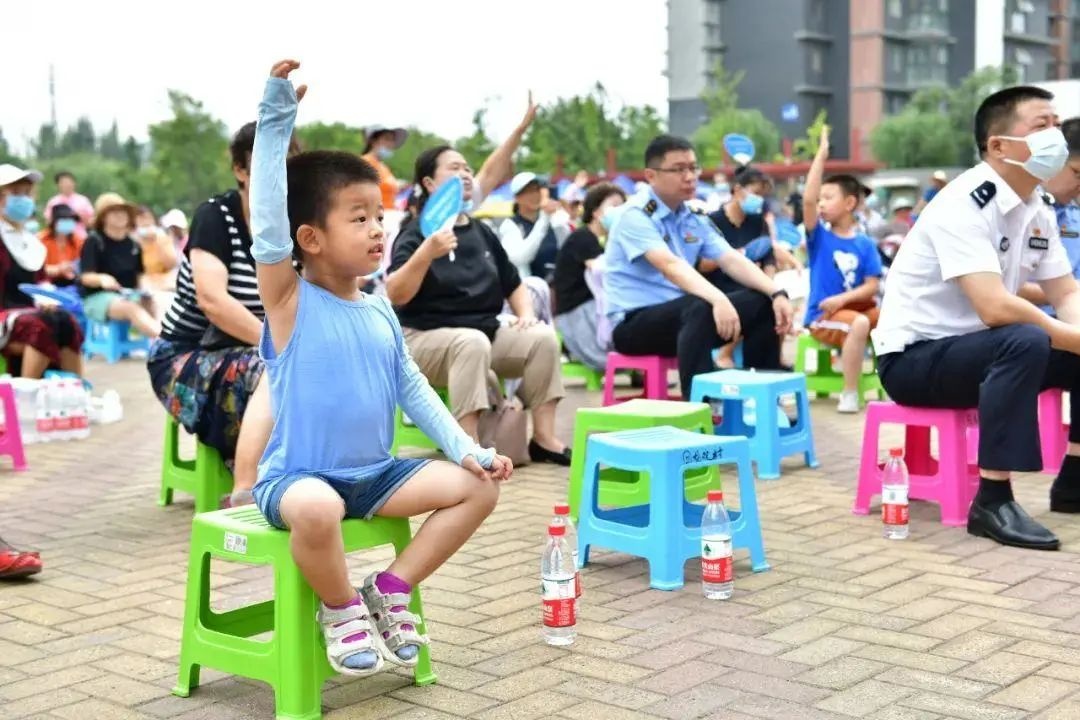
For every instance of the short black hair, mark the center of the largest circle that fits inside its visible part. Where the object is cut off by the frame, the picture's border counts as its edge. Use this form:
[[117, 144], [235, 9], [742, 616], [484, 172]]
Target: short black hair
[[314, 180], [662, 145], [997, 111], [749, 175], [595, 198], [849, 185], [1071, 130], [243, 144], [61, 175]]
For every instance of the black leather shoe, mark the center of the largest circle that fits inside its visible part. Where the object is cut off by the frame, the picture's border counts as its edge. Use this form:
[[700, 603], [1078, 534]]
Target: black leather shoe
[[1008, 524], [1064, 500], [542, 454]]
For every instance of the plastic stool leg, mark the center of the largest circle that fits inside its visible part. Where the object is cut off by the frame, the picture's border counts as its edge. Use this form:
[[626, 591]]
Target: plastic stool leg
[[869, 483], [952, 471], [195, 609], [12, 438], [766, 439], [609, 383], [666, 526], [750, 519], [298, 685], [803, 403]]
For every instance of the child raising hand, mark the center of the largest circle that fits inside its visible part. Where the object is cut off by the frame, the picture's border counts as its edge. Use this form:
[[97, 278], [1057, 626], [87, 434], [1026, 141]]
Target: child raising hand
[[338, 365]]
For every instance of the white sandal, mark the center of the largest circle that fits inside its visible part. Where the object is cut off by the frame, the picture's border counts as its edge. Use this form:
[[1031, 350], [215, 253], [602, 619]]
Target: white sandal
[[389, 634], [338, 624]]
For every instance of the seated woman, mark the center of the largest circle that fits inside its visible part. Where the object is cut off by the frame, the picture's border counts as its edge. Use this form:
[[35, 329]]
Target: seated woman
[[62, 246], [112, 267], [575, 307], [533, 234], [205, 368], [449, 309], [158, 251], [31, 340]]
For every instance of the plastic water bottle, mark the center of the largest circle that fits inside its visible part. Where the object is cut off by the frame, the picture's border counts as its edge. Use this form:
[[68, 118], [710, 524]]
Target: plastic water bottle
[[562, 517], [77, 410], [894, 496], [58, 394], [45, 417], [557, 572], [717, 568]]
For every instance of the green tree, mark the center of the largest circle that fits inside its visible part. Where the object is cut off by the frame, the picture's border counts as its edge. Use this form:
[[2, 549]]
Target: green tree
[[913, 139], [96, 175], [805, 148], [637, 128], [47, 144], [189, 156], [578, 129], [478, 146], [403, 161], [132, 153], [331, 136], [79, 138], [725, 116], [6, 156], [936, 114], [109, 144]]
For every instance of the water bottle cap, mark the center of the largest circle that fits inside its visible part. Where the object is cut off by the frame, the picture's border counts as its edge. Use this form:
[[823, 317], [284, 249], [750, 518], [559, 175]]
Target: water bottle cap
[[562, 508], [896, 452], [556, 530], [715, 496]]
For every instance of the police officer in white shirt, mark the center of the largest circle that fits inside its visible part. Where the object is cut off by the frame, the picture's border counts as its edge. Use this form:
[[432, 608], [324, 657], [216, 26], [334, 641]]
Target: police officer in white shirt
[[953, 332]]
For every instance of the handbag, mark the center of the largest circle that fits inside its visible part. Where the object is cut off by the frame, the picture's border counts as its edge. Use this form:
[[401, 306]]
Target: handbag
[[504, 425]]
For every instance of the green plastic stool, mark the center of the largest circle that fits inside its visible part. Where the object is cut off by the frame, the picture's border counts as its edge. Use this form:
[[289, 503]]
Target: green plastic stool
[[205, 477], [825, 381], [293, 660], [594, 379], [407, 435], [623, 488]]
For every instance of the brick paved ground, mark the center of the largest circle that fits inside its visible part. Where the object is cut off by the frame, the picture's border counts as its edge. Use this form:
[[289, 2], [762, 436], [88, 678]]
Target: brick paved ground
[[845, 625]]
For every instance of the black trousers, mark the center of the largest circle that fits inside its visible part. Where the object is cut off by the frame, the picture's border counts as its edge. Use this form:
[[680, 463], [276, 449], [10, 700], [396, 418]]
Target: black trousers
[[1001, 372], [684, 328]]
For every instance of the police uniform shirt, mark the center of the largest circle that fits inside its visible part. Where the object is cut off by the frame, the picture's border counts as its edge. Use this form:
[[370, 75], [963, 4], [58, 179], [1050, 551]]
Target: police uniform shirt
[[976, 224], [630, 280]]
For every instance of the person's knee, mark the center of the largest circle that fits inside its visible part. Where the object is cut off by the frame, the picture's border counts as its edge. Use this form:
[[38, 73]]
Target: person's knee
[[121, 309], [860, 326], [471, 345], [1025, 338], [314, 514], [485, 494]]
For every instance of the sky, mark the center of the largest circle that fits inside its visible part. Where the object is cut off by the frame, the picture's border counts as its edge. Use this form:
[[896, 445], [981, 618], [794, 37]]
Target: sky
[[429, 63]]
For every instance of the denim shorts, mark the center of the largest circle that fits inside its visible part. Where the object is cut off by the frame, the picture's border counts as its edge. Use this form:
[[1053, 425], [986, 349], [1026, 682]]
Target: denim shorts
[[363, 497]]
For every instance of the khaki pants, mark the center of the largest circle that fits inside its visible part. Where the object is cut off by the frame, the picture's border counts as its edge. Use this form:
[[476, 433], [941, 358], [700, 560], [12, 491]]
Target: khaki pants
[[459, 359]]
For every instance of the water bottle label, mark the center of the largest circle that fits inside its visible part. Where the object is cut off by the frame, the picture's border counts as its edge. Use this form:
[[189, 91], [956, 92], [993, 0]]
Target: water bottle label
[[45, 424], [80, 422], [716, 560], [894, 505], [62, 422], [559, 605]]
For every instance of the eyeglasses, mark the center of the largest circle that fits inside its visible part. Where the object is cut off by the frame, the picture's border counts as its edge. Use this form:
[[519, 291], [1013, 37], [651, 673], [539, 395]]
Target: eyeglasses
[[681, 170]]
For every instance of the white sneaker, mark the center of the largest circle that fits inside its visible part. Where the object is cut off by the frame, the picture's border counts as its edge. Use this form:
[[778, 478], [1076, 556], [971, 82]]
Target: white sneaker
[[849, 402]]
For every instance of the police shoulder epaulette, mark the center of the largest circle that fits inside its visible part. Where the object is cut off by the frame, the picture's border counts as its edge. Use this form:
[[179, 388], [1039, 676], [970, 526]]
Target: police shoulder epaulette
[[1047, 198], [650, 207], [984, 193], [697, 211]]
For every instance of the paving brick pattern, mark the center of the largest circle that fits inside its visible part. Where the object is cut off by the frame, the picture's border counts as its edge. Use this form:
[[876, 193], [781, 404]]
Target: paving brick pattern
[[845, 625]]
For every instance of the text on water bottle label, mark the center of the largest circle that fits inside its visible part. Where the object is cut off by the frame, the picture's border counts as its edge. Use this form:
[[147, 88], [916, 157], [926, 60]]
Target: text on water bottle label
[[559, 605], [716, 560], [894, 505]]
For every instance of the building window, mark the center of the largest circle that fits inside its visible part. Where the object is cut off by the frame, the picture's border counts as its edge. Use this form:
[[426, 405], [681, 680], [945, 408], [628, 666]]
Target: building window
[[896, 9], [1017, 14], [932, 15], [895, 103], [817, 61], [1023, 64], [896, 60], [927, 65]]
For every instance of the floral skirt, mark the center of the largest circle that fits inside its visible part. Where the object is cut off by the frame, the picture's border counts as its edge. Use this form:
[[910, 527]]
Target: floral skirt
[[206, 391]]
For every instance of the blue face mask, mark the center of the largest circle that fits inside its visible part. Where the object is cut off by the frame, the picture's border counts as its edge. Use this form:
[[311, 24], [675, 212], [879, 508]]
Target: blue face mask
[[384, 153], [752, 204], [19, 208], [65, 226]]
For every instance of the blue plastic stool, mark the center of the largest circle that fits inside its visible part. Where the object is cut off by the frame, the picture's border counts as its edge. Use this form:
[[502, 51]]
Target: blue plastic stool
[[112, 340], [666, 532], [769, 442]]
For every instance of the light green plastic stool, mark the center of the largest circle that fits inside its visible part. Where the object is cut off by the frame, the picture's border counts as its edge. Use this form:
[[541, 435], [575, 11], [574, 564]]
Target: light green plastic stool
[[406, 435], [293, 660], [594, 379], [623, 488], [205, 477], [825, 381]]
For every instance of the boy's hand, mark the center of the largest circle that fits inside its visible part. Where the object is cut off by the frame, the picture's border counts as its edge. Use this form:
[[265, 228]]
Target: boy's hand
[[784, 314], [823, 145], [831, 304], [282, 68], [501, 468]]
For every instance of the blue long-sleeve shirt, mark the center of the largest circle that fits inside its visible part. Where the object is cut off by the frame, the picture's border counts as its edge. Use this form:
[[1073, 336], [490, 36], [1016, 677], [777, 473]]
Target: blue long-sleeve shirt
[[335, 384]]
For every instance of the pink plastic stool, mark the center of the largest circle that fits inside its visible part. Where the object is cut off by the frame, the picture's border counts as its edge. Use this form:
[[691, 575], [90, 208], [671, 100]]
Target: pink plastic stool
[[949, 479], [654, 367], [1053, 430], [11, 436]]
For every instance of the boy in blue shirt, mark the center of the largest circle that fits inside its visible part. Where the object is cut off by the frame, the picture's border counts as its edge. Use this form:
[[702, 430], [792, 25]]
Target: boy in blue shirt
[[337, 365], [845, 270]]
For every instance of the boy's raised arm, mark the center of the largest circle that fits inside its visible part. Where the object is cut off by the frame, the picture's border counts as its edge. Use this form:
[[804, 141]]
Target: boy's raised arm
[[272, 243], [813, 183]]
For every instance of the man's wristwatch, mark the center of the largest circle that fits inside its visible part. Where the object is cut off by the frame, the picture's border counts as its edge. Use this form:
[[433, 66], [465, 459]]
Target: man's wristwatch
[[780, 293]]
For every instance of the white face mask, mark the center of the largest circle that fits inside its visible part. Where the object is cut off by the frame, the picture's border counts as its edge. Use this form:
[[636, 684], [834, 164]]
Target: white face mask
[[1049, 152]]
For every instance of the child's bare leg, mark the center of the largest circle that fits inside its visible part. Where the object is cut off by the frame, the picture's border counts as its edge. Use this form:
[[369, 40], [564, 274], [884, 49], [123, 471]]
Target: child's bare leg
[[460, 501], [851, 359], [725, 358], [313, 512]]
